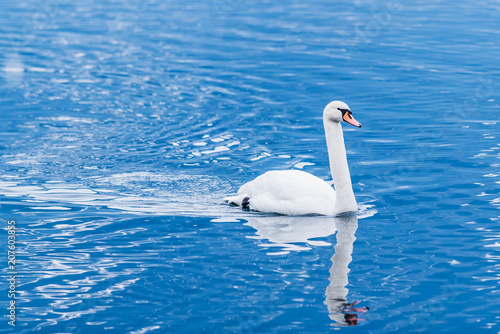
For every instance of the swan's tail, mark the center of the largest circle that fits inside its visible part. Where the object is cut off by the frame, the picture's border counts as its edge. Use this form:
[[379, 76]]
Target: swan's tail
[[239, 200]]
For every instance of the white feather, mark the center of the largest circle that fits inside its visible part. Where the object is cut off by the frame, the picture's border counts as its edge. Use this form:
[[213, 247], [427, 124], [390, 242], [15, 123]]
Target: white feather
[[288, 192]]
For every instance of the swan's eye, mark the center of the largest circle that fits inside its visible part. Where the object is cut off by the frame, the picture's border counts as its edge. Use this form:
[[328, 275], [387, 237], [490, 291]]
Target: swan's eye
[[345, 111]]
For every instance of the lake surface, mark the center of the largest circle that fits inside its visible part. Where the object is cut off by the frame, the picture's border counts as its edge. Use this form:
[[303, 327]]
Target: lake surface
[[125, 123]]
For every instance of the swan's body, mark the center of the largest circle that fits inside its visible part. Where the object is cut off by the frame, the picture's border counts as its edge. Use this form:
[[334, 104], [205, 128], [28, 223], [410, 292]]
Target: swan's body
[[290, 192], [294, 192]]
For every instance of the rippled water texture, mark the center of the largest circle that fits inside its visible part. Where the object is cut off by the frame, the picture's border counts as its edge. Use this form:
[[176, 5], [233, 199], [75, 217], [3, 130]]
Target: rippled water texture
[[124, 124]]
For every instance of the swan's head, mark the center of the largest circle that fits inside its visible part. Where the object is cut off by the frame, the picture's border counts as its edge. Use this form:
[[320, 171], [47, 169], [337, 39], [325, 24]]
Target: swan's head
[[337, 111]]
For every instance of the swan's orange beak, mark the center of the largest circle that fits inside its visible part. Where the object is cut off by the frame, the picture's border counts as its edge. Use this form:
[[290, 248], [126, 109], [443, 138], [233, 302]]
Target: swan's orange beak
[[349, 119]]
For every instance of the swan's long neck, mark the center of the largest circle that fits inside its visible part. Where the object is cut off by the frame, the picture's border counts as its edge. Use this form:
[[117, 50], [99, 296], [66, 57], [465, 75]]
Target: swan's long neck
[[346, 201]]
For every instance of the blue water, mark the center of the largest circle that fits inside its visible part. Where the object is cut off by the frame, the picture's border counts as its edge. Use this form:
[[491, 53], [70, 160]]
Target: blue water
[[124, 124]]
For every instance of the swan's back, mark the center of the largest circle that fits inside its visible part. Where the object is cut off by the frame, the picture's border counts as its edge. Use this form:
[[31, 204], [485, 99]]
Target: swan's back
[[288, 192]]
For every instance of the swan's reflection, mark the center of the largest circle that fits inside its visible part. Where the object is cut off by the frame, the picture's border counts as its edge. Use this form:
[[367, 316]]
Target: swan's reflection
[[339, 309], [286, 232]]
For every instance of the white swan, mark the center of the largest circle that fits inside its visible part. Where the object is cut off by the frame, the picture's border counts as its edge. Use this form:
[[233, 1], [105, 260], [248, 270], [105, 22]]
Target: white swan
[[294, 192]]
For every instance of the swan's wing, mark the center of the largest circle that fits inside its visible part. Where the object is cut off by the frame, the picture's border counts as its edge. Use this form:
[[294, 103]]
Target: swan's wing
[[290, 192]]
